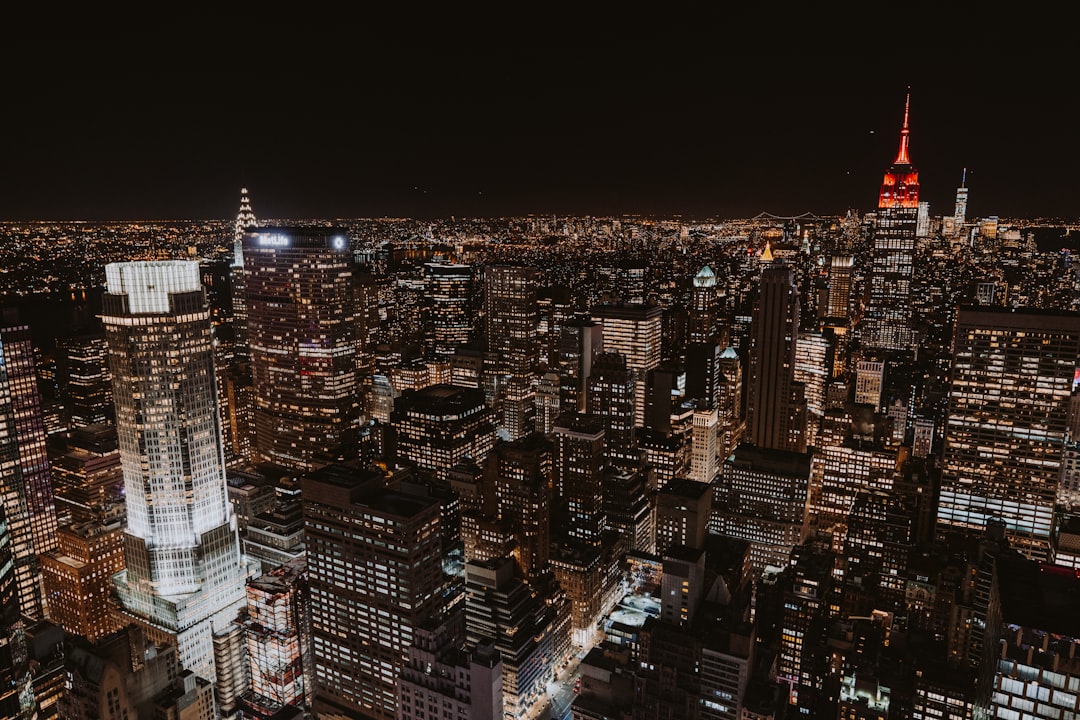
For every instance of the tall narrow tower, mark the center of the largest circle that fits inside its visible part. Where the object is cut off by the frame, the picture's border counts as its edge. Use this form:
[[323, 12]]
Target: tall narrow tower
[[244, 220], [184, 581], [775, 418], [510, 315], [25, 479], [887, 324], [960, 211]]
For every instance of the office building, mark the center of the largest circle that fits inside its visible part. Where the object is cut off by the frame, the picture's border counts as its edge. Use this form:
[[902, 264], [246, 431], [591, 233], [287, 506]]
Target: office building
[[448, 322], [1007, 422], [838, 305], [869, 381], [761, 498], [245, 220], [612, 400], [87, 476], [887, 321], [548, 402], [16, 688], [703, 321], [703, 448], [776, 409], [375, 573], [300, 292], [510, 316], [530, 634], [77, 577], [519, 472], [634, 331], [439, 426], [682, 514], [440, 679], [85, 384], [580, 341], [184, 576], [578, 465], [25, 478]]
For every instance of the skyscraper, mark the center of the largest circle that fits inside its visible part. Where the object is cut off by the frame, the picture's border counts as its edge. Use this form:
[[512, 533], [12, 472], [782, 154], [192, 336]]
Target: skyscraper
[[635, 332], [245, 219], [185, 576], [375, 572], [302, 333], [960, 210], [1012, 377], [838, 305], [776, 414], [702, 324], [510, 316], [447, 308], [439, 426], [579, 461], [25, 478], [887, 323]]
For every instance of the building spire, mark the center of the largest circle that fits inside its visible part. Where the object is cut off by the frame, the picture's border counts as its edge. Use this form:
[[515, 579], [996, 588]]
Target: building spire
[[244, 219], [902, 154]]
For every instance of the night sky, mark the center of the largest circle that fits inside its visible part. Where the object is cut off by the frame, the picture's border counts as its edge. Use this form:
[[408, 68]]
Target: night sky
[[700, 109]]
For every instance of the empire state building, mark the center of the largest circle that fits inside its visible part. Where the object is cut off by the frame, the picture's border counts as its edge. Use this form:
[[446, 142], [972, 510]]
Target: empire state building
[[887, 322]]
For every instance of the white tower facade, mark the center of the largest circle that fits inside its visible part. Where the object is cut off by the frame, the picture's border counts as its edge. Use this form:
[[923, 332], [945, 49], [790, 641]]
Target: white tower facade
[[185, 574]]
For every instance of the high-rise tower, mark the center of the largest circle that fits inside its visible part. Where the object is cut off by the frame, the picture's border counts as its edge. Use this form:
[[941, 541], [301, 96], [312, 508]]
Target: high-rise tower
[[184, 581], [302, 333], [25, 479], [510, 316], [887, 323], [960, 210], [702, 321], [244, 220], [1012, 377], [447, 311], [775, 418]]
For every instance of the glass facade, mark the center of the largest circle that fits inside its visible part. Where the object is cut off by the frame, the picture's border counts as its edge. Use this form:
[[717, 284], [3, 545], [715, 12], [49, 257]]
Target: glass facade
[[303, 336], [185, 575]]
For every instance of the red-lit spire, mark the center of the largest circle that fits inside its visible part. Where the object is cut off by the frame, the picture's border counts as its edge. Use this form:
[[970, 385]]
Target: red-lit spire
[[902, 155], [900, 188]]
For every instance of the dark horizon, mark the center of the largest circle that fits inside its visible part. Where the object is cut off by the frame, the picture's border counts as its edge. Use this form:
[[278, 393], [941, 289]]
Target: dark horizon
[[711, 125]]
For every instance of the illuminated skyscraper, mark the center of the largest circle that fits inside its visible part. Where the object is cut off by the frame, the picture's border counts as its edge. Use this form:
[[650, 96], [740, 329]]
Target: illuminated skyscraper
[[1012, 377], [302, 333], [702, 325], [25, 478], [635, 332], [184, 581], [439, 426], [520, 473], [960, 211], [375, 573], [776, 413], [579, 462], [86, 387], [245, 219], [838, 306], [278, 632], [887, 323], [447, 308], [611, 399], [510, 316]]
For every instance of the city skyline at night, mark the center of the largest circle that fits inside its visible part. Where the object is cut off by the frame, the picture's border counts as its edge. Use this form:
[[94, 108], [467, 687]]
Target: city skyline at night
[[542, 369]]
